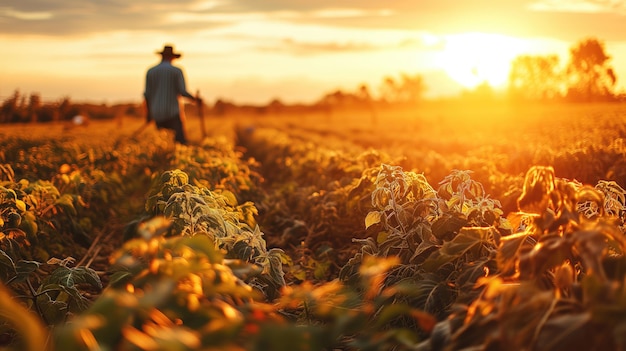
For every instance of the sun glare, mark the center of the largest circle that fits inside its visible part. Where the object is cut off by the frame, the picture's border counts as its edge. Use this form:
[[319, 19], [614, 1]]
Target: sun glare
[[471, 59]]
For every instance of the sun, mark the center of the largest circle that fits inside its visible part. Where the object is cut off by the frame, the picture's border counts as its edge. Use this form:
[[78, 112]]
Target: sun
[[474, 58]]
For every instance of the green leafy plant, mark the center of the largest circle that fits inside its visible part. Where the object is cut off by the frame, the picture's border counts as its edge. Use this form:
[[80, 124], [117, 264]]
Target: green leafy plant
[[198, 210], [54, 295], [437, 235]]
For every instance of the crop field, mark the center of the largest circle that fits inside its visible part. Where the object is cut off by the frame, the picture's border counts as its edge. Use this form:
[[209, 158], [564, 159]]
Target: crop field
[[435, 227]]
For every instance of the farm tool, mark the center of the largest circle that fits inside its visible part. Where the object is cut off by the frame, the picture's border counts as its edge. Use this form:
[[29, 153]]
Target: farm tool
[[200, 104]]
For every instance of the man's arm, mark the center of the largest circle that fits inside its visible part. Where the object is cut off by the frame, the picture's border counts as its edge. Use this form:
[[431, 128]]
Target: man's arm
[[182, 88]]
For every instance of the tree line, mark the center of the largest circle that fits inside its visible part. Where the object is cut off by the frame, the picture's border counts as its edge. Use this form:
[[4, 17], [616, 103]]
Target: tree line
[[23, 108], [587, 76]]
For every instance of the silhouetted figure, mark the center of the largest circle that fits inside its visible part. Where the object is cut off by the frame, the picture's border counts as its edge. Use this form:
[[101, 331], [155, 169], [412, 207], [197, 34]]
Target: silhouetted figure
[[165, 84]]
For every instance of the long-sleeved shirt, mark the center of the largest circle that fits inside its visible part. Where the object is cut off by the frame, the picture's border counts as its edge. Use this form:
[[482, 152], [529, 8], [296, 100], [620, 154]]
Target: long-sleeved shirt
[[164, 84]]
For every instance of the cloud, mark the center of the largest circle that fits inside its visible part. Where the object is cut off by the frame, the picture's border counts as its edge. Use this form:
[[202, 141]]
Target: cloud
[[296, 39], [26, 15], [298, 47], [292, 46], [188, 17], [580, 6], [75, 17]]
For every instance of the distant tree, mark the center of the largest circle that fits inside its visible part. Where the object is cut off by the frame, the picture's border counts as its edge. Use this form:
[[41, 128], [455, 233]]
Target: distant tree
[[222, 107], [388, 89], [34, 106], [408, 89], [65, 106], [364, 94], [12, 109], [590, 77], [366, 100], [482, 92], [535, 78], [339, 98], [132, 110], [275, 106], [412, 88]]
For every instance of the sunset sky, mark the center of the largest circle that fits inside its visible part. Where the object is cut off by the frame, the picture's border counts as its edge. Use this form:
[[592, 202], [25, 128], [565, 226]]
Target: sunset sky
[[252, 51]]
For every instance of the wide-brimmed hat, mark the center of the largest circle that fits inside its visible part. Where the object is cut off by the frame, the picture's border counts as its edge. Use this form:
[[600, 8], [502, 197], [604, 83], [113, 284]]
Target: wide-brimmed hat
[[168, 51]]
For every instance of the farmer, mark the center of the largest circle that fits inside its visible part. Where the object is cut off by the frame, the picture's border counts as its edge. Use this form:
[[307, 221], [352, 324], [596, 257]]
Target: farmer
[[165, 84]]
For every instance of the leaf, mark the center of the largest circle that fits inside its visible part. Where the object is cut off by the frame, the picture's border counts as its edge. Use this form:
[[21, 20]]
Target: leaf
[[432, 296], [549, 252], [470, 238], [448, 225], [6, 260], [203, 244], [29, 225], [471, 272], [53, 311], [426, 321], [508, 252], [568, 332], [24, 268], [69, 277], [139, 339], [374, 217], [538, 185], [298, 273], [391, 311], [276, 267], [423, 251], [230, 198], [21, 205], [66, 202], [321, 270], [382, 237], [243, 270], [242, 250], [120, 278]]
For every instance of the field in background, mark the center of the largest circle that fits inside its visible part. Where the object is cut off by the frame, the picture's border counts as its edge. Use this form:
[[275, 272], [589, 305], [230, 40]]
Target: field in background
[[434, 138], [437, 138]]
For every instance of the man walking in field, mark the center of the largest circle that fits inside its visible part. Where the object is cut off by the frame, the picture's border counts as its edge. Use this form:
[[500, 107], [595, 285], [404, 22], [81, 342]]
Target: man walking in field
[[165, 85]]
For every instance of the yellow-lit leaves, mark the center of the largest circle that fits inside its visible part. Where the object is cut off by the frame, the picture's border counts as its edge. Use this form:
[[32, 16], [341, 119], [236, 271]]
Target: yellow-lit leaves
[[20, 205], [614, 197], [175, 177], [155, 227], [509, 250], [139, 339], [373, 217], [65, 168], [459, 189], [160, 333], [539, 184]]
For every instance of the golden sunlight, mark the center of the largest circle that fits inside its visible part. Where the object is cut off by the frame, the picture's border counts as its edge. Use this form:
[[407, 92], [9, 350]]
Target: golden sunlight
[[474, 58]]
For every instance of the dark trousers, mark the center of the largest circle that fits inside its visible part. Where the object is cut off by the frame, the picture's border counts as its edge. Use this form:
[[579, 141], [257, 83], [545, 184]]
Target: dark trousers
[[176, 125]]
